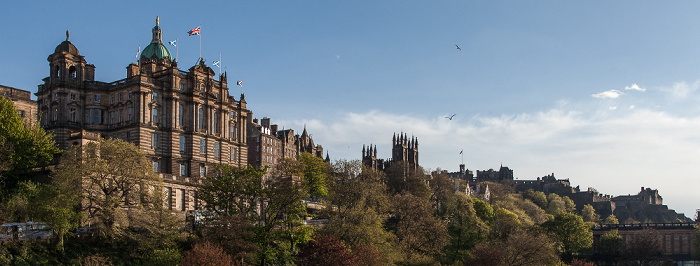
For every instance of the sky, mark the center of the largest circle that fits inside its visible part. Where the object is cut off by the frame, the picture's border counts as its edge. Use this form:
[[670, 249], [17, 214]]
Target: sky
[[603, 93]]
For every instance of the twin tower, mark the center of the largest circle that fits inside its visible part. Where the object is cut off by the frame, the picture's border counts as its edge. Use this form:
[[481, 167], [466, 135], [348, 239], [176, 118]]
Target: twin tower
[[404, 151]]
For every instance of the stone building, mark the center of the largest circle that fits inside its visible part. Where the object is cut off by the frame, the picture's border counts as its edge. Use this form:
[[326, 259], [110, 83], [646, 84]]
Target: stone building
[[404, 150], [185, 121], [267, 144], [26, 107]]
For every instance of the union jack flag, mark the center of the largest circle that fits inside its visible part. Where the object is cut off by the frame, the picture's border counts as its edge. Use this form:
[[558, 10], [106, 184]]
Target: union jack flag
[[194, 31]]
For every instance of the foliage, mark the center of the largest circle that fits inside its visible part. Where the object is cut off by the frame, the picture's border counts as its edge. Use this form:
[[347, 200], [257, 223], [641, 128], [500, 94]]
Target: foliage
[[644, 246], [610, 246], [315, 174], [361, 206], [572, 231], [401, 178], [465, 227], [115, 180], [272, 208], [326, 250], [555, 204], [206, 254], [537, 197], [25, 145], [419, 232], [163, 257], [611, 220], [442, 187], [522, 247], [505, 223], [588, 214]]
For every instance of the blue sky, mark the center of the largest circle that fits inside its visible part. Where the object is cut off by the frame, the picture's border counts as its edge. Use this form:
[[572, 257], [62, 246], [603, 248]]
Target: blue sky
[[604, 93]]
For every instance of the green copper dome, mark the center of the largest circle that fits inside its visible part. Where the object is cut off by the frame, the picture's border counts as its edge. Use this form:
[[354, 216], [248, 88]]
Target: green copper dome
[[156, 48]]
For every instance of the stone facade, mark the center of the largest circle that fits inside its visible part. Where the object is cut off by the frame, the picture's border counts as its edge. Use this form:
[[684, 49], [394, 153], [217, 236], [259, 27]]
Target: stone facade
[[26, 107], [676, 238], [267, 145], [185, 121]]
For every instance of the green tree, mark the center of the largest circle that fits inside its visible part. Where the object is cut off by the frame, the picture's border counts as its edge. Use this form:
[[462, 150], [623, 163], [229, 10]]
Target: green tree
[[505, 223], [611, 220], [401, 178], [555, 204], [420, 233], [269, 205], [361, 206], [114, 179], [537, 197], [315, 174], [25, 145], [58, 205], [466, 229], [644, 246], [522, 247], [610, 246], [588, 214], [572, 231]]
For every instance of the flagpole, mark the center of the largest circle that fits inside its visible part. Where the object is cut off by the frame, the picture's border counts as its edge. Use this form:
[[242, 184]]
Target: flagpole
[[176, 50], [219, 65], [200, 42]]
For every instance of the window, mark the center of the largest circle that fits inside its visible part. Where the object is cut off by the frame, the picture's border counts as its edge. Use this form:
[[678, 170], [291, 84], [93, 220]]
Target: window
[[202, 170], [154, 96], [169, 197], [217, 152], [182, 87], [202, 146], [181, 117], [72, 73], [120, 115], [111, 118], [233, 154], [155, 115], [128, 95], [111, 99], [55, 114], [201, 118], [156, 167], [183, 143], [216, 121], [94, 116], [21, 113], [233, 115], [216, 95], [155, 139], [130, 111], [72, 97], [120, 97], [183, 203], [97, 98], [183, 169], [233, 131]]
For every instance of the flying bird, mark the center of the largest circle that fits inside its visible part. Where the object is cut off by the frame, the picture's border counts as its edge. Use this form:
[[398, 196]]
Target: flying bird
[[458, 47], [450, 117]]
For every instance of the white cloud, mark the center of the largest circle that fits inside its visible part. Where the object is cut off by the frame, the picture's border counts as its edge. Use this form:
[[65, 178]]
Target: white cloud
[[612, 108], [681, 90], [611, 94], [631, 107], [634, 87]]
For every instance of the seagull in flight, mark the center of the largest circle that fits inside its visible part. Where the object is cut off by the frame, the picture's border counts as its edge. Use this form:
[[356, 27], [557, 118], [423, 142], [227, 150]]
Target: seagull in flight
[[450, 117], [458, 47]]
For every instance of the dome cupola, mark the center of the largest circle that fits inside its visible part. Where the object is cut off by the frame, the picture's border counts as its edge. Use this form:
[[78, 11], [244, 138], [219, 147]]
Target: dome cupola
[[156, 47]]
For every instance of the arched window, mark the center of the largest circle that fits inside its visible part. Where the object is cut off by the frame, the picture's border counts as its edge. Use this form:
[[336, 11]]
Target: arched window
[[55, 71], [72, 72]]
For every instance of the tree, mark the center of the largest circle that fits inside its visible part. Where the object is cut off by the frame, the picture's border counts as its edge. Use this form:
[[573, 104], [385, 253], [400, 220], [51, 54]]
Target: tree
[[611, 220], [25, 146], [572, 231], [555, 204], [588, 214], [326, 250], [610, 246], [537, 197], [400, 179], [206, 254], [315, 174], [644, 246], [419, 232], [442, 188], [466, 229], [522, 247], [115, 180], [270, 206], [361, 206]]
